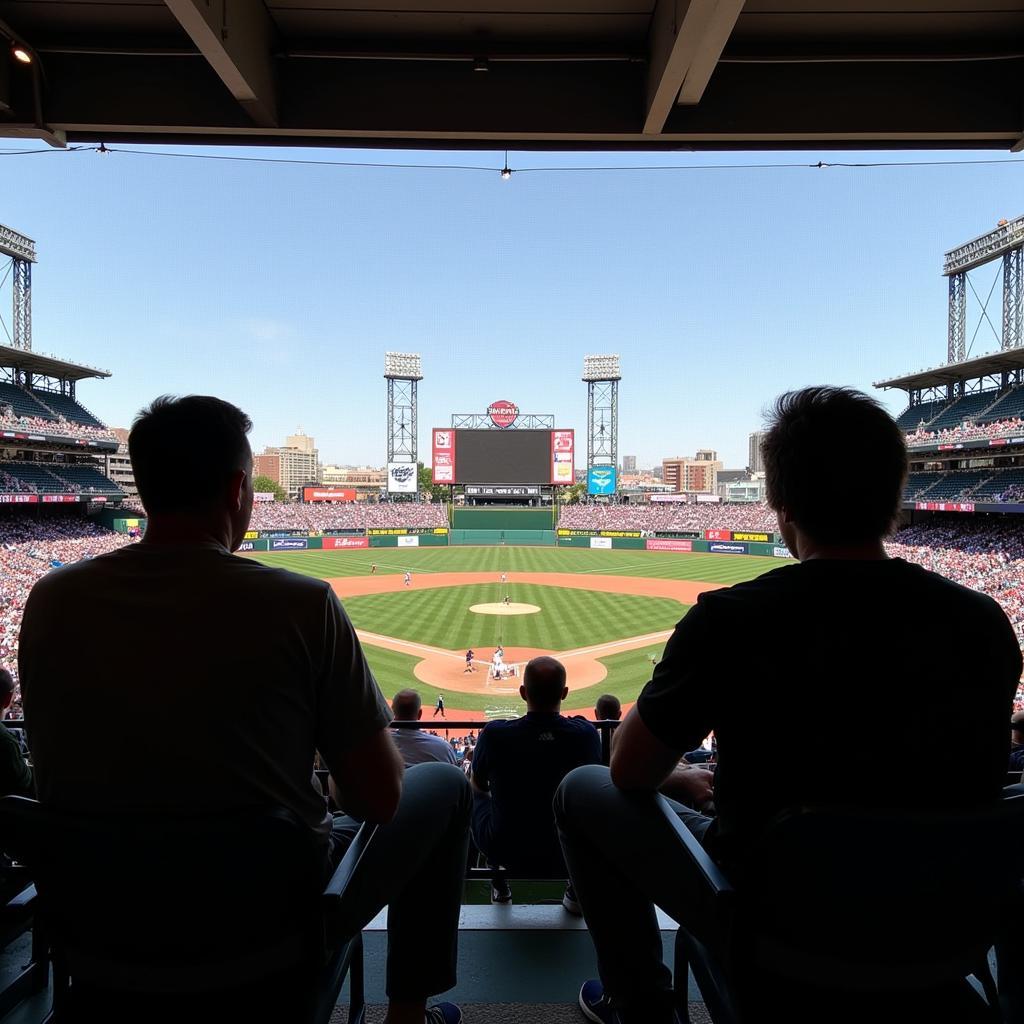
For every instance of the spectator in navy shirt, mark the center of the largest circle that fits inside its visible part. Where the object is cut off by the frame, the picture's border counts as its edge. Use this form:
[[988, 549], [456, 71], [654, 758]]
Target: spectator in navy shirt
[[517, 766]]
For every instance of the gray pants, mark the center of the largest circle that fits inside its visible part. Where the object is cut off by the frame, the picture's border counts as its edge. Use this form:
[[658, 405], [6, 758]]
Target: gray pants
[[623, 857], [415, 867]]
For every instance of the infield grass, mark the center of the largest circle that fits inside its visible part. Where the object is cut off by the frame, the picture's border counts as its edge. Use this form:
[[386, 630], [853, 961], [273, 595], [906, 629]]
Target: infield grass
[[569, 618]]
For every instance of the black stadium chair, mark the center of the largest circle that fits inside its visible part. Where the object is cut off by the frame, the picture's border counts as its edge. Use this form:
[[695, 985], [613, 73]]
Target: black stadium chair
[[847, 915], [157, 918]]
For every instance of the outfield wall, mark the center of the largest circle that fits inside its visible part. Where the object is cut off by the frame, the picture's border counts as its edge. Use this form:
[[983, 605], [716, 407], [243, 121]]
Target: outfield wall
[[522, 538]]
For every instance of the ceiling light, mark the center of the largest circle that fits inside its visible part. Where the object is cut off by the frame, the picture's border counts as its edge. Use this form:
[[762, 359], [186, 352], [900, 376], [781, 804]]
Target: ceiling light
[[480, 64], [21, 54]]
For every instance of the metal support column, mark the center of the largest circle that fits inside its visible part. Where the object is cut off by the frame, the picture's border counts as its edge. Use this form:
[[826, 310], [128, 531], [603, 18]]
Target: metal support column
[[403, 372], [21, 281], [1013, 299], [602, 376], [957, 317]]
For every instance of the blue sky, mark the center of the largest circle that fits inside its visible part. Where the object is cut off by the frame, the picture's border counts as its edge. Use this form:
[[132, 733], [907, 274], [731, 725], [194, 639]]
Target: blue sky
[[279, 287]]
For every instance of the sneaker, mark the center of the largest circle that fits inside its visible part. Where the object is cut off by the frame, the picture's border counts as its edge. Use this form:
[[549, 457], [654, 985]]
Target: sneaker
[[596, 1007], [570, 902], [444, 1013], [594, 1004], [500, 891]]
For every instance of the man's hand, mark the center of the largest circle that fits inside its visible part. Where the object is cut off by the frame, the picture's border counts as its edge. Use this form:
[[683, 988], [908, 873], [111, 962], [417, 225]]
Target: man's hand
[[690, 785]]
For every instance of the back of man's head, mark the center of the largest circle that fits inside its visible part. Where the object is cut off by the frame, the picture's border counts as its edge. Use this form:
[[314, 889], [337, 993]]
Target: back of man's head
[[184, 452], [834, 500], [608, 708], [7, 689], [406, 705], [543, 686], [1017, 727]]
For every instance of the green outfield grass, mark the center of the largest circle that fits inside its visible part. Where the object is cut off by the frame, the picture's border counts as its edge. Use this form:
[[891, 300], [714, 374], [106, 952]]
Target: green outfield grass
[[569, 618]]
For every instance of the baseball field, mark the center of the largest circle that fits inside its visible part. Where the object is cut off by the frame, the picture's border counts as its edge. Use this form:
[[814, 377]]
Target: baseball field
[[605, 614]]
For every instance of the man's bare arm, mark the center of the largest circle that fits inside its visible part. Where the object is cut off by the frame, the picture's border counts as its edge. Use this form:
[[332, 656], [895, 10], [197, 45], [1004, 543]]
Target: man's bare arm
[[366, 781], [640, 760]]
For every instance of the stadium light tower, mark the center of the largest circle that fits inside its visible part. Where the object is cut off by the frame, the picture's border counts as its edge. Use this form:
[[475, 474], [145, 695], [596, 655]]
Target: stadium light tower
[[21, 251], [602, 377], [403, 371]]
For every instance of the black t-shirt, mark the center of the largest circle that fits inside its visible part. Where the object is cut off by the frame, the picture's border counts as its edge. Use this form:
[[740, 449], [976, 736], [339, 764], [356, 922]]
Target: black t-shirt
[[522, 762], [863, 670]]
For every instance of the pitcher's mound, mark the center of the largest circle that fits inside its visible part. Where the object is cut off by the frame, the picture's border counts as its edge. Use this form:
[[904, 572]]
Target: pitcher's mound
[[504, 609]]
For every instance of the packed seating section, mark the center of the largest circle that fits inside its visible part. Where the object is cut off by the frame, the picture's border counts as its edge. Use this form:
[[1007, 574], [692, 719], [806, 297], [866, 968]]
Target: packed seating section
[[54, 478], [65, 406], [668, 517]]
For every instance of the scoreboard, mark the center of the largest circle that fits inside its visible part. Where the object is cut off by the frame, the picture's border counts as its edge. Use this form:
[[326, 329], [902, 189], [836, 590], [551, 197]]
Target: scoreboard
[[464, 456]]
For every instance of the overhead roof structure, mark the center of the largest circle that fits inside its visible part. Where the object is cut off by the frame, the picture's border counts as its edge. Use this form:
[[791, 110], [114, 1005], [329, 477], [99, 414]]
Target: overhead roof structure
[[953, 373], [46, 366], [576, 74]]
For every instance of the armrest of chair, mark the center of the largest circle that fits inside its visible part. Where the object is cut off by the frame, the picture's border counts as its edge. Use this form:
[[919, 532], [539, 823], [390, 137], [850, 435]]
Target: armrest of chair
[[344, 873], [712, 876]]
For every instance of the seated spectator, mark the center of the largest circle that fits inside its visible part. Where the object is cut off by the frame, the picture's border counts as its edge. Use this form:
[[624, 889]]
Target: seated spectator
[[1017, 742], [845, 605], [416, 746], [186, 609], [15, 774], [608, 708], [517, 766]]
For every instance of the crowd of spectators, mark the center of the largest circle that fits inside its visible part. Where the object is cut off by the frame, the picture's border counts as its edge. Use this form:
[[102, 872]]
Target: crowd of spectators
[[29, 548], [61, 427], [966, 432], [357, 515], [668, 517]]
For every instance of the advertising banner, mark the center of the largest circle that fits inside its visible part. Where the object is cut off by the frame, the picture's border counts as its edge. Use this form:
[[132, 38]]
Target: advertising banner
[[728, 549], [443, 456], [402, 478], [654, 544], [718, 534], [252, 534], [601, 480], [289, 544], [599, 533], [563, 470], [526, 491], [408, 542], [780, 552], [763, 538], [246, 545], [708, 499], [18, 499], [63, 499], [601, 542], [402, 531], [339, 543], [944, 506], [684, 498], [261, 496], [310, 494]]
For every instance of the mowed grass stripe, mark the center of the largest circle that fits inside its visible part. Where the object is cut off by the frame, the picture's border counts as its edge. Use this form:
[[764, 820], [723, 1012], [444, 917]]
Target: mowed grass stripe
[[568, 618], [708, 567]]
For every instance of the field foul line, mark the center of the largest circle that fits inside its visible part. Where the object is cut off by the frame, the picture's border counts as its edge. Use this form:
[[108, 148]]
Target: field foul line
[[393, 643], [618, 568], [632, 641], [404, 568]]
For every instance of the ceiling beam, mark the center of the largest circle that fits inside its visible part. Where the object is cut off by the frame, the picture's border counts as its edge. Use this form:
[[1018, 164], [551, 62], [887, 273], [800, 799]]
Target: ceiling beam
[[684, 44], [237, 39]]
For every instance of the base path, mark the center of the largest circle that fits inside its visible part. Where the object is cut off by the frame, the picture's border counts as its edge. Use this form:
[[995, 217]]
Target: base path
[[446, 669]]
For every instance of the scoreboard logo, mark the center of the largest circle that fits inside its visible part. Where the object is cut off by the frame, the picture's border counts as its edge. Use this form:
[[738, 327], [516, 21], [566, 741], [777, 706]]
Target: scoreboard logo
[[503, 414]]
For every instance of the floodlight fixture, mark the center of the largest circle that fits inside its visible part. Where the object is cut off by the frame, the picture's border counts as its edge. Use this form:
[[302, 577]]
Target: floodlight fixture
[[403, 366], [605, 367], [21, 54]]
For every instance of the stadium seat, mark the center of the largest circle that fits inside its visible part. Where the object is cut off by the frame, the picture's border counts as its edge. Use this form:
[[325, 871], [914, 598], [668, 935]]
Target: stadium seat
[[200, 918], [847, 915]]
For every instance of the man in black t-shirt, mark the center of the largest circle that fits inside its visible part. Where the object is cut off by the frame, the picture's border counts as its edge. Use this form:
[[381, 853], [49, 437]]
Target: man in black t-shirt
[[517, 766], [840, 631]]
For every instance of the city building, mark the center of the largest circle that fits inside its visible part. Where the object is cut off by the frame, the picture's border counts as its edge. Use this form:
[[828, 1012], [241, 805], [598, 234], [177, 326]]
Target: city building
[[365, 480], [739, 485], [696, 475], [292, 465], [118, 467], [755, 464], [628, 463]]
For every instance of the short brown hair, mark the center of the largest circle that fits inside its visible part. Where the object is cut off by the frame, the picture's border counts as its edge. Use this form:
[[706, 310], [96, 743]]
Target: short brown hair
[[837, 462]]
